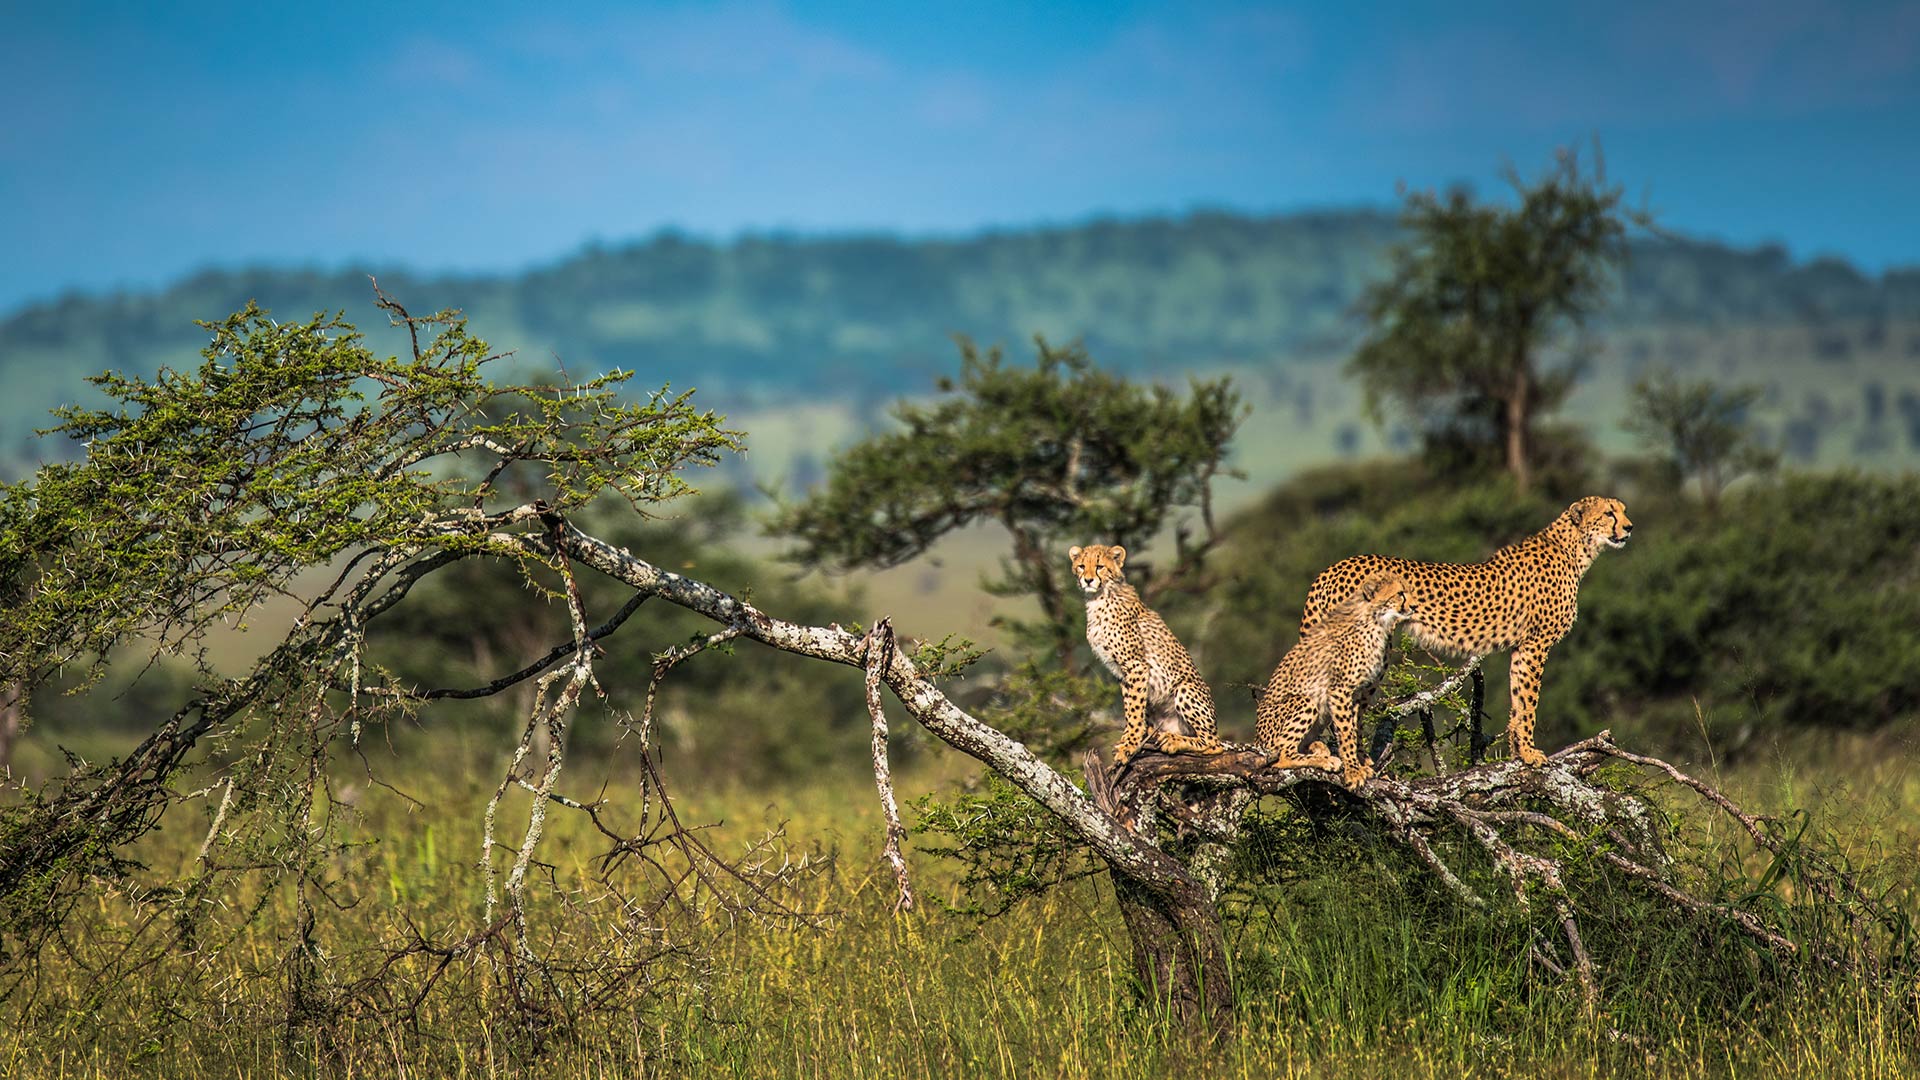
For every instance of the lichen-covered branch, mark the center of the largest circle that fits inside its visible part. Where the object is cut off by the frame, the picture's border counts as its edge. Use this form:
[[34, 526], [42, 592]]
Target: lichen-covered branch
[[1525, 823], [1177, 935]]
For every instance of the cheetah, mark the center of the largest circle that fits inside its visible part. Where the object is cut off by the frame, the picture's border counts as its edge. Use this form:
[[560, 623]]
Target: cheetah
[[1157, 676], [1524, 599], [1332, 669]]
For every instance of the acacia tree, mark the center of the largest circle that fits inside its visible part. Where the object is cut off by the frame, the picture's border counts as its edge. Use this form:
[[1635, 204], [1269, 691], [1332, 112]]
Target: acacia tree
[[1060, 453], [1701, 429], [1480, 298], [295, 448]]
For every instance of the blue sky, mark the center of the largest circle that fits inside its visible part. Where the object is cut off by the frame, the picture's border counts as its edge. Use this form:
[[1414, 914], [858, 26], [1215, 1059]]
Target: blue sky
[[141, 141]]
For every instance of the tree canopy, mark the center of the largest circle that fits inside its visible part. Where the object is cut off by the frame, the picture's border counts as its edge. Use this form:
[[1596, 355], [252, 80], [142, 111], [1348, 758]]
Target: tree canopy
[[1057, 454], [1701, 430], [1472, 335], [203, 493], [295, 463]]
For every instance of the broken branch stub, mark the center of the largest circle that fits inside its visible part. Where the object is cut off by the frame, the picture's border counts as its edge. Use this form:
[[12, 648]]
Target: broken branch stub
[[879, 650]]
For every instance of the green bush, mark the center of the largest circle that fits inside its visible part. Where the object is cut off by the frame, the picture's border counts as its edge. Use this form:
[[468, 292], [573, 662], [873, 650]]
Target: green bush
[[1795, 605]]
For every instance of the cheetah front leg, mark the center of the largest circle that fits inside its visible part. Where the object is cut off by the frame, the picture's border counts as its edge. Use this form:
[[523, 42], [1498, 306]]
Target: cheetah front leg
[[1523, 673], [1133, 702], [1346, 725]]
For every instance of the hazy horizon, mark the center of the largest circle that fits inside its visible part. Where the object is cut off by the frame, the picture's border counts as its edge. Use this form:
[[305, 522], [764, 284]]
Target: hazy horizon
[[359, 263]]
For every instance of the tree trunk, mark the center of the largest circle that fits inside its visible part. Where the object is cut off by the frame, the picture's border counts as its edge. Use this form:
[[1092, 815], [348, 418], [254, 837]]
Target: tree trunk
[[1519, 417], [1710, 489], [11, 702], [1179, 946], [1179, 951]]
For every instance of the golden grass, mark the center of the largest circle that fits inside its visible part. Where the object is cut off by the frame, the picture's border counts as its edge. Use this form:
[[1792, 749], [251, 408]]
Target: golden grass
[[1042, 991]]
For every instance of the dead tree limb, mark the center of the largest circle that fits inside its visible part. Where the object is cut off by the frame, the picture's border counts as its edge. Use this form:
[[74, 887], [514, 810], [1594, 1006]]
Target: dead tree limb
[[1179, 944], [1513, 816], [1498, 810], [879, 652]]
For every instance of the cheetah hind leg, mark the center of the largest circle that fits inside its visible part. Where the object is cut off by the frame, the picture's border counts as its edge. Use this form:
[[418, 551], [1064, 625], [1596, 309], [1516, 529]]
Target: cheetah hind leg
[[1192, 706], [1316, 757], [1317, 751], [1286, 721]]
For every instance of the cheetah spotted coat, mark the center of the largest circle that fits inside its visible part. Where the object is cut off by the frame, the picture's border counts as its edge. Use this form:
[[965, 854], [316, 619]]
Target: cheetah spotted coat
[[1330, 671], [1522, 599], [1159, 686]]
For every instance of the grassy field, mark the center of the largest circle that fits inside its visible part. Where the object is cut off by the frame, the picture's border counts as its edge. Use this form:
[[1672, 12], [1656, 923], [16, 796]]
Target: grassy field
[[1351, 975]]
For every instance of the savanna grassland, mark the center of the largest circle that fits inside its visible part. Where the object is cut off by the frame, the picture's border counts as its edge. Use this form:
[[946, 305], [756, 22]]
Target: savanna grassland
[[1345, 968], [437, 820], [1733, 642]]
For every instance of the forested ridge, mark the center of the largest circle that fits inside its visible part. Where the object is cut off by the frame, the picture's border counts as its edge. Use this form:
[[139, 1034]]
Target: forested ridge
[[765, 317]]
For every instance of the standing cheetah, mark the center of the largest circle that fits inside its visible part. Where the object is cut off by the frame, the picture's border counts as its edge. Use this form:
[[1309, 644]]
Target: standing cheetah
[[1332, 669], [1524, 598], [1156, 674]]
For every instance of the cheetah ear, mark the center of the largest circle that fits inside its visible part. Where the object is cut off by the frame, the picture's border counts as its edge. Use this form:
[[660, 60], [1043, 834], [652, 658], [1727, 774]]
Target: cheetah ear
[[1119, 555], [1577, 513], [1073, 552]]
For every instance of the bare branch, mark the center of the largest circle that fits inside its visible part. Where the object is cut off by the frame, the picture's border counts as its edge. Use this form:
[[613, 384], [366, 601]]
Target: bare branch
[[879, 651], [219, 819], [1425, 698], [555, 655], [1490, 807], [923, 699], [399, 314]]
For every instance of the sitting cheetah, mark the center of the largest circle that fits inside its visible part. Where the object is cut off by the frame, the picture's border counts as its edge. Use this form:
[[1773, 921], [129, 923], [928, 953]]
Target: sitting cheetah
[[1332, 669], [1524, 598], [1156, 674]]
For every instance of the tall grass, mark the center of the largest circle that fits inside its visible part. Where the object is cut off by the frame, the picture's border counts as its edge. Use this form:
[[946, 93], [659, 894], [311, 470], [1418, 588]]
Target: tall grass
[[1344, 967]]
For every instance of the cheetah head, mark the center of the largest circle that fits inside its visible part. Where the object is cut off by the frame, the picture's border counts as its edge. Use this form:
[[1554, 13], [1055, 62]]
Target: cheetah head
[[1387, 596], [1096, 564], [1600, 521]]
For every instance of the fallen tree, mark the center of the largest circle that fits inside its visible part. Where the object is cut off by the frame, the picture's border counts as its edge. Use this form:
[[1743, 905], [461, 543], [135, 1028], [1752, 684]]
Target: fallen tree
[[1527, 824]]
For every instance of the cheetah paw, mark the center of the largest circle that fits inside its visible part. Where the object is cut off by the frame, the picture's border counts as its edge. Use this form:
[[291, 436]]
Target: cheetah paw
[[1358, 775]]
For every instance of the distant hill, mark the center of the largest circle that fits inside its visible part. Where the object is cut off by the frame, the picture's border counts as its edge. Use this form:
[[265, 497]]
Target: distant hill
[[858, 320]]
